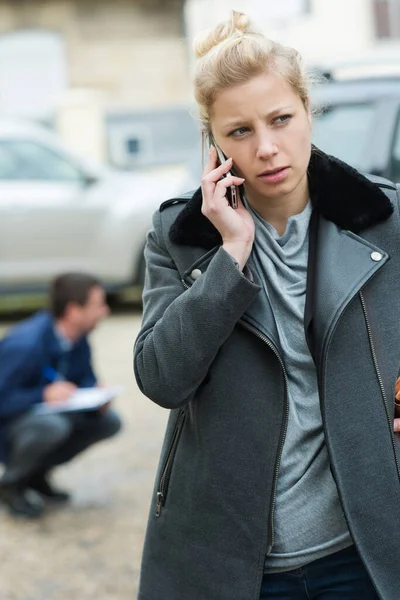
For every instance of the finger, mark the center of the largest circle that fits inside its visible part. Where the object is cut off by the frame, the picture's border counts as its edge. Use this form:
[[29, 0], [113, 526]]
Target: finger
[[226, 182], [220, 189], [69, 389], [212, 161], [209, 180], [219, 200], [396, 425], [218, 172], [207, 185]]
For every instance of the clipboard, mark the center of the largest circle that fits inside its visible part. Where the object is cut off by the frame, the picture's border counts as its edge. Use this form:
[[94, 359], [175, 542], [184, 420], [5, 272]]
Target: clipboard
[[83, 399]]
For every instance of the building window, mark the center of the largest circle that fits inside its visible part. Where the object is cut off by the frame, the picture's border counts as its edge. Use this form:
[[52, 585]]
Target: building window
[[33, 60], [282, 12], [387, 18]]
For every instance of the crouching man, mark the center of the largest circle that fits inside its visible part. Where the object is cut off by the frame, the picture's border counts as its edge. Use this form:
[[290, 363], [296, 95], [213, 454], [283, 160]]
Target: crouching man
[[44, 359]]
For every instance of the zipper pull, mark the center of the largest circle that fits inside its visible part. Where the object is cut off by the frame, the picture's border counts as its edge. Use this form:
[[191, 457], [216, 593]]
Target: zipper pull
[[159, 503]]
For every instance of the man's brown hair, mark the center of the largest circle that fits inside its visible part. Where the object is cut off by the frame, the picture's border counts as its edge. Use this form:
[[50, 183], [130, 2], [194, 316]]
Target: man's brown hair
[[70, 287]]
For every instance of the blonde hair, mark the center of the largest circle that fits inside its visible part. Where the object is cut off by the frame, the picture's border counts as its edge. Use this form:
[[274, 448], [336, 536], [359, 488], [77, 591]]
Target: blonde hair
[[232, 53]]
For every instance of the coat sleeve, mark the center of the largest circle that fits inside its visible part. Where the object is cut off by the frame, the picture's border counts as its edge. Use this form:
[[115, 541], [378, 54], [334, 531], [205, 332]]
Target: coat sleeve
[[16, 365], [182, 330]]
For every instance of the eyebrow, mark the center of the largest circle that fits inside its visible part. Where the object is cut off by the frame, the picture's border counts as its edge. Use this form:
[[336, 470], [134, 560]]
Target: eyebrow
[[239, 122]]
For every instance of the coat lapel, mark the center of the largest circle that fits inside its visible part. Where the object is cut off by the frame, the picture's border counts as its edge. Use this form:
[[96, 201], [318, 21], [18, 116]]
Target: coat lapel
[[346, 203], [344, 263]]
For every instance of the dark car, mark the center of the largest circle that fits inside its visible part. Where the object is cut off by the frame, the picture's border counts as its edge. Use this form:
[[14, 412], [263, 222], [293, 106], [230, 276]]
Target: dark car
[[359, 122]]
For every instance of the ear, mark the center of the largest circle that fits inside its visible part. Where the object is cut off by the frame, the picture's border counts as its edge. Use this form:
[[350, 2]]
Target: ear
[[71, 310]]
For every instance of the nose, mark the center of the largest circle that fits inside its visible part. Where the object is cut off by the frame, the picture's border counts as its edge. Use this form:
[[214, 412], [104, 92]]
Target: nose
[[266, 146]]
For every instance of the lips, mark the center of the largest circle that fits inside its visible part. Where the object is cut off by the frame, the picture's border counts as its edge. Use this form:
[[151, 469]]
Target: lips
[[272, 171], [274, 175]]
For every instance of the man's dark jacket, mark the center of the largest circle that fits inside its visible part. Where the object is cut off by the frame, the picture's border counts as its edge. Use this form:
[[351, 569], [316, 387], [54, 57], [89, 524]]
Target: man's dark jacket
[[25, 352]]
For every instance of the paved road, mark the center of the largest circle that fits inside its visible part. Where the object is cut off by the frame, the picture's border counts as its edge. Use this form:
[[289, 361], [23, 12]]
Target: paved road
[[91, 550]]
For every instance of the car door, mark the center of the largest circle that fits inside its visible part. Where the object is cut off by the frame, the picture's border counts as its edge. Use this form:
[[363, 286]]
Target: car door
[[345, 128], [358, 129], [46, 224]]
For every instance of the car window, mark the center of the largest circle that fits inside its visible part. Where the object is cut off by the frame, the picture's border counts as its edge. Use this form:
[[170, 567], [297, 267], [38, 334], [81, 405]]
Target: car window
[[395, 170], [344, 131], [25, 160]]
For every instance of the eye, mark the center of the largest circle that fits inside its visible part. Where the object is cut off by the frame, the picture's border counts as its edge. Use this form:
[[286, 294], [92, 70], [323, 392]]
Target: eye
[[282, 119], [239, 132]]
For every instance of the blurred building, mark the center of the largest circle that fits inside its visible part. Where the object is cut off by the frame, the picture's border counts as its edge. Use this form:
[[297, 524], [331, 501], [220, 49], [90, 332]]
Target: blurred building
[[323, 30], [112, 75]]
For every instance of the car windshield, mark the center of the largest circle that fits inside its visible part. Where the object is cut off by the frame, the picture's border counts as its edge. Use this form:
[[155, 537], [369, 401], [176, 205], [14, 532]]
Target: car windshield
[[24, 160], [344, 131]]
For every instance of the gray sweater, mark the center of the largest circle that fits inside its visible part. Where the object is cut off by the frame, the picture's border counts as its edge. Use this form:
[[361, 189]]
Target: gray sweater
[[309, 522]]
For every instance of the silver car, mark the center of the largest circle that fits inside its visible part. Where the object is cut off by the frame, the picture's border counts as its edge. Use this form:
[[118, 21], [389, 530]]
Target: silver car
[[59, 212]]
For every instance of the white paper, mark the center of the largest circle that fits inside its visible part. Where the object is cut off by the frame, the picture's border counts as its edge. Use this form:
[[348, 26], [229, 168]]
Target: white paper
[[82, 399]]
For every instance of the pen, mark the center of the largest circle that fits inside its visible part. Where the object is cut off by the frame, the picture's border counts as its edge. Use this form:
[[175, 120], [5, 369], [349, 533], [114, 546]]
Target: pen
[[52, 374]]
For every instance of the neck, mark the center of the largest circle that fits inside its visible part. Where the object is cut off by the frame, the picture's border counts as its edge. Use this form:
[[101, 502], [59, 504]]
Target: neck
[[277, 211], [68, 330]]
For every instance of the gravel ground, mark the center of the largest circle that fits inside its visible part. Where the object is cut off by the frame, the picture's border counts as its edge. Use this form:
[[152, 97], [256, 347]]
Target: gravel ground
[[91, 549]]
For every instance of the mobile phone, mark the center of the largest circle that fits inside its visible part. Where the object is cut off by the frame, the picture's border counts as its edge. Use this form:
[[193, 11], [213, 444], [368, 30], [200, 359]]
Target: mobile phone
[[232, 192]]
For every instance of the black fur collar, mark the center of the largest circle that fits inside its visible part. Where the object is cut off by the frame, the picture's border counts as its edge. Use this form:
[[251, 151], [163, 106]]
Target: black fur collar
[[338, 192]]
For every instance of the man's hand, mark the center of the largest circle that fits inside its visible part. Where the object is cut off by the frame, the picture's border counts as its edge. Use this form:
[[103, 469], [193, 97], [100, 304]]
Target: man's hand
[[58, 391]]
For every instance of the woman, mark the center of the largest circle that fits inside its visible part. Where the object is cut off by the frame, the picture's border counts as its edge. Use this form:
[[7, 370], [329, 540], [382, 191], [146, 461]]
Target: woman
[[273, 333]]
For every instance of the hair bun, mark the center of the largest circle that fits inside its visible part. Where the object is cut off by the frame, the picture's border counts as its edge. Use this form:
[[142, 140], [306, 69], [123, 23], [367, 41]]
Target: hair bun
[[231, 29]]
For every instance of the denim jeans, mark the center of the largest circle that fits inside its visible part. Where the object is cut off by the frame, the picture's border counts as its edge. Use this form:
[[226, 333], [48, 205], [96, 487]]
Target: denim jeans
[[339, 576]]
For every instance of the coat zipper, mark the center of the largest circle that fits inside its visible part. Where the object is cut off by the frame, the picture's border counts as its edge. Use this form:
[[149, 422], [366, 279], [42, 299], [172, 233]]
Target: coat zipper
[[379, 376], [166, 472], [272, 347], [268, 342]]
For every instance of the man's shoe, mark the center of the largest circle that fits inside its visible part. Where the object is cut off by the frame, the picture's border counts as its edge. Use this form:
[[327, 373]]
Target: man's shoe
[[20, 503], [39, 483]]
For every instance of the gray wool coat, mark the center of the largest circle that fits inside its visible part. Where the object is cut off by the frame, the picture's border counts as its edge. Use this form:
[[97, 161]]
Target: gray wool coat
[[208, 351]]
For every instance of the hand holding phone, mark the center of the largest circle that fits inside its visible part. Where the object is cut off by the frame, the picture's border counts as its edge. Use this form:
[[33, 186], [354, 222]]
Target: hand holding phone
[[236, 227], [232, 192]]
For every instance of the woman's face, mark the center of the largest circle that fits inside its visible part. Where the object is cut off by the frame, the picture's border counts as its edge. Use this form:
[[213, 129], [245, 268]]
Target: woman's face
[[264, 126]]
